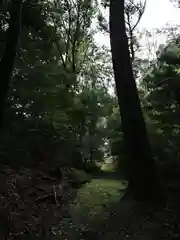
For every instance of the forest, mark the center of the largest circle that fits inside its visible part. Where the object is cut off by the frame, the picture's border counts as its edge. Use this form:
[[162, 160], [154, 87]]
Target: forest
[[89, 132]]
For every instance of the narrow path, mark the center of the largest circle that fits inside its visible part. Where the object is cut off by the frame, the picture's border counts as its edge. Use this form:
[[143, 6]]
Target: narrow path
[[99, 212], [94, 198], [91, 207]]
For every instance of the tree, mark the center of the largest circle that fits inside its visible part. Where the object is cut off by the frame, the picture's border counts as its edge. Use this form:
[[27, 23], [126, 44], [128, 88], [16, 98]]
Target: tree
[[142, 177], [162, 102], [133, 14], [9, 55], [50, 83], [134, 11], [177, 2]]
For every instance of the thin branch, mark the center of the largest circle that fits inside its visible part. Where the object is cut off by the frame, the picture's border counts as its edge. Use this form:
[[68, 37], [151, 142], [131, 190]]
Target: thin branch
[[69, 29], [75, 39], [131, 45], [56, 42], [141, 10]]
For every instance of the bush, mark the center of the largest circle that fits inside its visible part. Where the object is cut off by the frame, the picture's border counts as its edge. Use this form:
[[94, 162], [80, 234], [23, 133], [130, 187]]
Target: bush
[[77, 177]]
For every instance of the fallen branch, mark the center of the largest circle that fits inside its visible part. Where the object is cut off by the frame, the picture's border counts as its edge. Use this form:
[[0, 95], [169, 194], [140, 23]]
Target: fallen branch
[[43, 197]]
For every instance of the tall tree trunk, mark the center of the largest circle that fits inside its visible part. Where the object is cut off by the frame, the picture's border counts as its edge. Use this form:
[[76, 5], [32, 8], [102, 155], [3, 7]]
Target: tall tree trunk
[[9, 55], [142, 181]]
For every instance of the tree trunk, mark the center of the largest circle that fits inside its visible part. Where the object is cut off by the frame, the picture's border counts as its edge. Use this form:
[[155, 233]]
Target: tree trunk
[[141, 171], [9, 55]]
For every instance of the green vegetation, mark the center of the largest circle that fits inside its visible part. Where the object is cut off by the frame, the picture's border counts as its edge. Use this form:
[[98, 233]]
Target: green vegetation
[[93, 197], [84, 149], [91, 206]]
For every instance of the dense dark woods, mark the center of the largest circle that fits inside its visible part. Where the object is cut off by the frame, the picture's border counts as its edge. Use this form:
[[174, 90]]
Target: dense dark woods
[[89, 140], [9, 55]]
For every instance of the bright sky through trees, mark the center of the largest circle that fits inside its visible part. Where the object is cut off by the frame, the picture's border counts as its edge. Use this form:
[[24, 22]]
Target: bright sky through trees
[[157, 14]]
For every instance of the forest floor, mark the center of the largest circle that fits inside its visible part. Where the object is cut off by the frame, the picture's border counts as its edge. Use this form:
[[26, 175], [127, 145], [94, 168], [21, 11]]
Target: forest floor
[[30, 208], [99, 212]]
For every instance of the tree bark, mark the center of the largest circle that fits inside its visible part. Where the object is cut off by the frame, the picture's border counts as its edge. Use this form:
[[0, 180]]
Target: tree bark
[[9, 55], [141, 170]]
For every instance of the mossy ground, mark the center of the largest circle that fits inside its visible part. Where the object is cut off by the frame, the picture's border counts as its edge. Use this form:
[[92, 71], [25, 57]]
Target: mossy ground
[[90, 208]]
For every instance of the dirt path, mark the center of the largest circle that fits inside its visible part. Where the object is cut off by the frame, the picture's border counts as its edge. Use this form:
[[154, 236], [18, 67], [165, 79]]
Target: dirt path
[[99, 212]]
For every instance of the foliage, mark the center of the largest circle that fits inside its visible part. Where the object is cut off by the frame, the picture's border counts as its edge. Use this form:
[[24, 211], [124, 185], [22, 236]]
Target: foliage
[[57, 99], [161, 105], [62, 122], [93, 198]]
